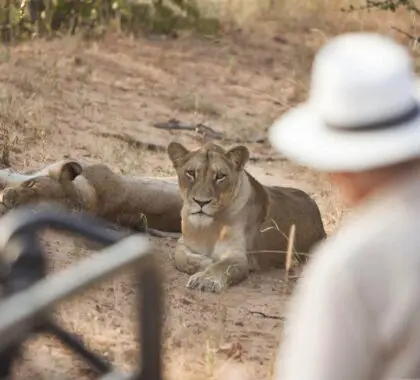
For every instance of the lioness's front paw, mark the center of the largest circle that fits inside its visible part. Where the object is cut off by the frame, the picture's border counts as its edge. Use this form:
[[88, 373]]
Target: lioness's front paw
[[206, 282]]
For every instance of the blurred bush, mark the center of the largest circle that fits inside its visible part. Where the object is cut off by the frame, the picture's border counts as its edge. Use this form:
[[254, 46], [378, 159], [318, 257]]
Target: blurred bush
[[412, 7], [387, 5], [23, 19]]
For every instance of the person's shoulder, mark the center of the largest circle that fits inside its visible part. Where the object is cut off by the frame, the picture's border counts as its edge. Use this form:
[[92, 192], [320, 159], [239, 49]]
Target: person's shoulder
[[334, 256], [373, 241]]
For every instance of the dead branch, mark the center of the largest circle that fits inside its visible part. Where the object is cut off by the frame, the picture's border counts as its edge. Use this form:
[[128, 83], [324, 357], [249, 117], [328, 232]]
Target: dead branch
[[202, 129], [410, 36], [174, 124], [267, 159], [289, 256], [264, 315], [133, 142]]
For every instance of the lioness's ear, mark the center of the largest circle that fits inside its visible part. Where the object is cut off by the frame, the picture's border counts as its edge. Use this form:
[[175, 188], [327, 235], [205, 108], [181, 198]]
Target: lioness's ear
[[239, 156], [67, 172], [177, 152]]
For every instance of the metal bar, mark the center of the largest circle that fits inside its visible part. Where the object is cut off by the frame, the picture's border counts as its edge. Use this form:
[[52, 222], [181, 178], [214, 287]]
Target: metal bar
[[98, 362], [117, 375], [25, 219], [150, 308], [19, 312], [33, 296]]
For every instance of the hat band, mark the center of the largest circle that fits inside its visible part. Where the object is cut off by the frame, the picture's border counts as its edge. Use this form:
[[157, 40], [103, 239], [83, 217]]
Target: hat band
[[393, 122]]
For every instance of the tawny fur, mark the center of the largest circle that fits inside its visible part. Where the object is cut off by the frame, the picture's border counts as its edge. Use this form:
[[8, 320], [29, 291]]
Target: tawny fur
[[222, 239], [96, 189]]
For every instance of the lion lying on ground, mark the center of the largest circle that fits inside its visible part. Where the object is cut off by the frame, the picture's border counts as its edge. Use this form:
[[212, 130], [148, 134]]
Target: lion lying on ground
[[127, 201], [231, 224]]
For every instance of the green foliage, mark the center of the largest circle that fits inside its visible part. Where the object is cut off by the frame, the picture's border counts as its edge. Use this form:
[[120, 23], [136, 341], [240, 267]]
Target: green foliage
[[22, 19], [386, 5]]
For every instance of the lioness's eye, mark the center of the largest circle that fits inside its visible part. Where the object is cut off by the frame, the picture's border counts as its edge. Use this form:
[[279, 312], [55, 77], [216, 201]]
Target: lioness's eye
[[190, 174], [220, 177], [29, 183]]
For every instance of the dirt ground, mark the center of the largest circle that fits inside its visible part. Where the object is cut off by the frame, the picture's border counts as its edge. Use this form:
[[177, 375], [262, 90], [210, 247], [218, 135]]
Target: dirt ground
[[99, 101]]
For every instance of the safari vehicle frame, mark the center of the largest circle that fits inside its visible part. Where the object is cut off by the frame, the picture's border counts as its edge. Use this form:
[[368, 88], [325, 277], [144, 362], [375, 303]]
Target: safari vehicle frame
[[28, 295]]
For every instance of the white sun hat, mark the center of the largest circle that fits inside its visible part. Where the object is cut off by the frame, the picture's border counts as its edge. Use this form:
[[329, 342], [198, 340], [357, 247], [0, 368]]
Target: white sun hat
[[363, 110]]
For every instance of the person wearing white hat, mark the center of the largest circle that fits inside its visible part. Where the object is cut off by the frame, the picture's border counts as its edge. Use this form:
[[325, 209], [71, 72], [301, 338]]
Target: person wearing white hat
[[355, 313]]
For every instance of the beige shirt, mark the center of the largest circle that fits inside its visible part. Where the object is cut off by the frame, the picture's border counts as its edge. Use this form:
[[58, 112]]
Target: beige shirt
[[355, 314]]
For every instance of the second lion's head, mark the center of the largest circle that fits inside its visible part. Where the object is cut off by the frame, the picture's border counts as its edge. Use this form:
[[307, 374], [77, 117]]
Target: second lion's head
[[53, 184]]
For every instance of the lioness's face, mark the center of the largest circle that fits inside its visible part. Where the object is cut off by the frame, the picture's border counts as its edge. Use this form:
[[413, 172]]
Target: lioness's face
[[207, 178], [54, 186]]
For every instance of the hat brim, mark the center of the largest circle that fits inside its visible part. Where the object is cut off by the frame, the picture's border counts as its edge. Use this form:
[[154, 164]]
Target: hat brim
[[303, 137]]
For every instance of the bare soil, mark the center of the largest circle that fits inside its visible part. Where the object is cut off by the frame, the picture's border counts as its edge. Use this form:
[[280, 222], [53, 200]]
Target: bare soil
[[100, 101]]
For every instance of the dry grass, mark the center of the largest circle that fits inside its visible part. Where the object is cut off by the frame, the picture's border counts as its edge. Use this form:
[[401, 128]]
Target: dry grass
[[98, 100]]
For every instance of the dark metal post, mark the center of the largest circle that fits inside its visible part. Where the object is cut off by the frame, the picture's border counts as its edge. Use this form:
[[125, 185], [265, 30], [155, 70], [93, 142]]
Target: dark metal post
[[29, 296]]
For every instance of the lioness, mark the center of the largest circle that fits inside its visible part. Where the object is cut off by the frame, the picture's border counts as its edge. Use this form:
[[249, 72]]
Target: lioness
[[231, 224], [96, 189]]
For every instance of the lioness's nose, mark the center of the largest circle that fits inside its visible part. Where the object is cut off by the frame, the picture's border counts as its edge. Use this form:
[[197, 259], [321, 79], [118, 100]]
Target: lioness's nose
[[202, 203]]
